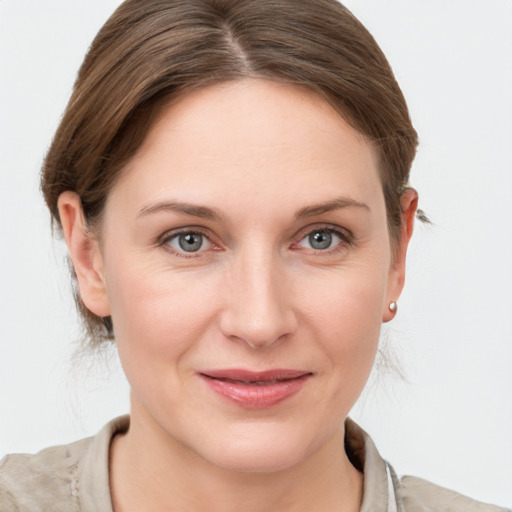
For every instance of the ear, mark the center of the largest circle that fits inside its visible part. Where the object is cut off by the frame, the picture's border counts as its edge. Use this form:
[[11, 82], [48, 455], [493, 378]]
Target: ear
[[396, 281], [85, 254]]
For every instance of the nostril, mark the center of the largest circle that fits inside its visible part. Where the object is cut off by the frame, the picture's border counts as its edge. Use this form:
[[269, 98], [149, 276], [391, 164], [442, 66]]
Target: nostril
[[260, 341]]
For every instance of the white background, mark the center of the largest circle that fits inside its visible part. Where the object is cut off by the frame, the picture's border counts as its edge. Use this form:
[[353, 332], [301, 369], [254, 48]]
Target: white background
[[450, 419]]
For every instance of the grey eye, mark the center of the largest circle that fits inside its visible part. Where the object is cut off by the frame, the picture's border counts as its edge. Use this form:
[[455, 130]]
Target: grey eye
[[321, 239], [189, 242]]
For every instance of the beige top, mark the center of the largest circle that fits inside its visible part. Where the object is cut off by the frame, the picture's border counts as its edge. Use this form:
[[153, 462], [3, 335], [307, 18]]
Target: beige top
[[74, 478]]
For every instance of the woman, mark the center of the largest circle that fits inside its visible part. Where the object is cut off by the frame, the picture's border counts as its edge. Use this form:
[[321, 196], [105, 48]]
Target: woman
[[232, 183]]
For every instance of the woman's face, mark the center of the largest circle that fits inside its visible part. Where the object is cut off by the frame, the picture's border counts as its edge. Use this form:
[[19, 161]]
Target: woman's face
[[248, 234]]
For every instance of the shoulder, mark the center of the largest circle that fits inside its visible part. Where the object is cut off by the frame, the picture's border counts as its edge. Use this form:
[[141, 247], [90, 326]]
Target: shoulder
[[44, 481], [409, 494], [66, 478], [418, 495]]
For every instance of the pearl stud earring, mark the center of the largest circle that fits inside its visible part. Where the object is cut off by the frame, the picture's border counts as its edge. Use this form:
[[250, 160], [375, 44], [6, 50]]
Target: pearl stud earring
[[393, 306]]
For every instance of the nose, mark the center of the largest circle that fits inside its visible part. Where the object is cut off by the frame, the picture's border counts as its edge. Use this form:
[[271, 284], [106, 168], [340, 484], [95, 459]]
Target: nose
[[258, 302]]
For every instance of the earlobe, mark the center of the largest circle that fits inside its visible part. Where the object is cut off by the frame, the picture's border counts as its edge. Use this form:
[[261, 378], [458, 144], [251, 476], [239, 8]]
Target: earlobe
[[409, 201], [85, 254]]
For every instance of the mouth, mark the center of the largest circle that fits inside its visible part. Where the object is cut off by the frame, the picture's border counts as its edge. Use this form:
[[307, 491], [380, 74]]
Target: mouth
[[255, 390]]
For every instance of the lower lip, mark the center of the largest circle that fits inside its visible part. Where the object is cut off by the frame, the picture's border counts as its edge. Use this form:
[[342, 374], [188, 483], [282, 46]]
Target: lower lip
[[256, 396]]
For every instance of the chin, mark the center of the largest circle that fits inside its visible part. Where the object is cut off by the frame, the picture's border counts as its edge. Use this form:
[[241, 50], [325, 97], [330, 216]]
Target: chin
[[258, 460], [262, 449]]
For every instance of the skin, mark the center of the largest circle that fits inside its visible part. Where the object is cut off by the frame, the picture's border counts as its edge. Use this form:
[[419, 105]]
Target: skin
[[257, 295]]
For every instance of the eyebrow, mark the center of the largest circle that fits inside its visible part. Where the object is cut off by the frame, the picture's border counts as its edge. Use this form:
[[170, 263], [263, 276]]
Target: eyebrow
[[203, 212], [335, 204]]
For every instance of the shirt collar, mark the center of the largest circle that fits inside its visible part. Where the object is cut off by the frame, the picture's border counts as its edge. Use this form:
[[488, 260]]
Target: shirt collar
[[365, 456], [93, 478]]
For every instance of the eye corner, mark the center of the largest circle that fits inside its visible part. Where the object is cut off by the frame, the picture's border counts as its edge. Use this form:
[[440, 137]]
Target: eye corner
[[330, 239], [179, 241]]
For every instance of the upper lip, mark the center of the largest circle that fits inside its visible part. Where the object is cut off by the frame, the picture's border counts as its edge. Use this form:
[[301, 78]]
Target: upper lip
[[255, 376]]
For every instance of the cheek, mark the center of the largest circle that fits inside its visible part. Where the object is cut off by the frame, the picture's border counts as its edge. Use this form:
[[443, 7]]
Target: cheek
[[348, 301], [158, 315], [346, 316]]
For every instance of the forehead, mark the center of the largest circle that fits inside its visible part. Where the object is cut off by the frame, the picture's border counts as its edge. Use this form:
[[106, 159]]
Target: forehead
[[251, 137]]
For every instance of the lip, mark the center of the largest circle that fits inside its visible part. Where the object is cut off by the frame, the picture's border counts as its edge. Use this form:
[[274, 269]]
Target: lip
[[255, 390]]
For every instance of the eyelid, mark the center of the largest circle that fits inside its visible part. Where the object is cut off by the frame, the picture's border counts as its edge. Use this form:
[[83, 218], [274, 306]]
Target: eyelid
[[346, 236], [164, 239]]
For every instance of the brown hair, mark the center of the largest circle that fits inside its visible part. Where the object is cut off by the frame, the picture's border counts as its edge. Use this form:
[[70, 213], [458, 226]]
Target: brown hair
[[150, 51]]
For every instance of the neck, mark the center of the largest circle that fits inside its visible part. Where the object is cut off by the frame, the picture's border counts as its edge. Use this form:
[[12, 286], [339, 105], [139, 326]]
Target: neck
[[155, 472]]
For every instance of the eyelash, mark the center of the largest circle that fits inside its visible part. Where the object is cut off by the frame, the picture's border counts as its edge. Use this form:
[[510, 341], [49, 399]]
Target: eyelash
[[346, 239], [166, 238]]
